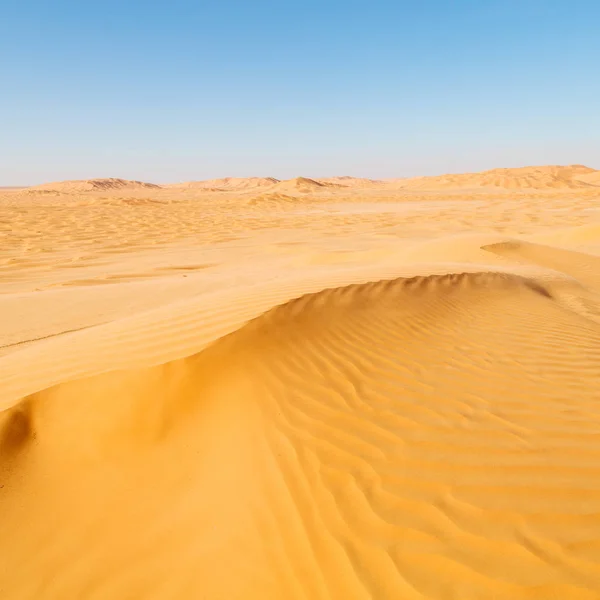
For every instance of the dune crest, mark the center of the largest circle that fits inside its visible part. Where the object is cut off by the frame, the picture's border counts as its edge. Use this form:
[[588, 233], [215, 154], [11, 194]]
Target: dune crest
[[94, 185], [303, 185], [523, 178], [351, 182], [227, 184], [347, 444], [592, 177], [579, 265], [535, 178]]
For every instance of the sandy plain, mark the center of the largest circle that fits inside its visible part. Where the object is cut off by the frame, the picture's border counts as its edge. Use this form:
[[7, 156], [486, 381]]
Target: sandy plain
[[336, 388]]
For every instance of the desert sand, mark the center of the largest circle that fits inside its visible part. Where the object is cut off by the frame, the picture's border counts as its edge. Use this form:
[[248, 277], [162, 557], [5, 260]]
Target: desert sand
[[336, 388]]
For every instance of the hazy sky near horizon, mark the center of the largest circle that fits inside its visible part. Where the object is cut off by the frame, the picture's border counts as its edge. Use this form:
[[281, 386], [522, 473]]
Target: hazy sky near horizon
[[180, 90]]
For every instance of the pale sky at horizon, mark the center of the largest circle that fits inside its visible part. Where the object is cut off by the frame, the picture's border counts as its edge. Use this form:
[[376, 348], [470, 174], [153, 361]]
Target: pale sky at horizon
[[184, 90]]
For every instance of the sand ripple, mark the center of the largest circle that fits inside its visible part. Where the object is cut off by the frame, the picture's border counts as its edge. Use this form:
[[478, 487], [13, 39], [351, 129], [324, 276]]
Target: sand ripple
[[426, 437]]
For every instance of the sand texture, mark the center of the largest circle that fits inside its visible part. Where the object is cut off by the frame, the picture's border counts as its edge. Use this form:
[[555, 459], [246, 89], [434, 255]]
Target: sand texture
[[94, 185], [549, 177], [306, 389]]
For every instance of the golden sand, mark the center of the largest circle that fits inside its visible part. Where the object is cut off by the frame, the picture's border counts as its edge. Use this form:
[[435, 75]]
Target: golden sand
[[304, 389]]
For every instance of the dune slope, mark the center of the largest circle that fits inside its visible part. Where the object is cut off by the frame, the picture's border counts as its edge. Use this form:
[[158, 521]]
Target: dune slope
[[591, 177], [94, 185], [432, 437], [303, 185], [547, 177], [227, 183], [351, 182]]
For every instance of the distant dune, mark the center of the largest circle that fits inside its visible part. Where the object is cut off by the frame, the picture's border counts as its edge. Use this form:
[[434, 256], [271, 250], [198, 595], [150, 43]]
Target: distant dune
[[591, 178], [94, 185], [347, 181], [536, 178], [228, 183], [303, 185], [544, 178]]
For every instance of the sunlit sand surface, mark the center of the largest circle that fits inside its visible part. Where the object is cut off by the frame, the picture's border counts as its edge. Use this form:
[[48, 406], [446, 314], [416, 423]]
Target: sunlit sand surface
[[312, 389]]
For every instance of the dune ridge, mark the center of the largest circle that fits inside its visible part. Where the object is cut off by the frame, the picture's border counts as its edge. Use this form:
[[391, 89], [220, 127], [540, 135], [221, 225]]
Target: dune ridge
[[590, 177], [94, 185], [327, 414], [541, 178], [303, 185], [538, 178], [227, 183], [352, 182]]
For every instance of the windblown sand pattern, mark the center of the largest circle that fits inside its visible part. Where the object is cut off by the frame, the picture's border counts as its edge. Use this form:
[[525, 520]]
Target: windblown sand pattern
[[94, 185], [592, 178], [549, 177], [357, 399], [227, 183]]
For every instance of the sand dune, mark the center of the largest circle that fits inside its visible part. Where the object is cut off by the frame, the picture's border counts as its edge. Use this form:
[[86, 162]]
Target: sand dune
[[284, 379], [592, 178], [94, 185], [398, 429], [272, 199], [552, 177], [538, 178], [231, 396], [583, 267], [227, 183], [353, 182], [303, 185]]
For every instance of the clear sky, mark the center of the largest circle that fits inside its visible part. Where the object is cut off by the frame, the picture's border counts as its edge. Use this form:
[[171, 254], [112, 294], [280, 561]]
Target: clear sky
[[179, 90]]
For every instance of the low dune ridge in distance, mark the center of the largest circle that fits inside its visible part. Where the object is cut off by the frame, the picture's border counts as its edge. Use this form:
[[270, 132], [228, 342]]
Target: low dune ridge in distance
[[227, 184], [95, 185], [303, 185], [351, 182], [543, 178], [297, 196], [534, 178]]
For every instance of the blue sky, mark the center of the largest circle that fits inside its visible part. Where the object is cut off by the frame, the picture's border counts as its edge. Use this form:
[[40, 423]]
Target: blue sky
[[179, 90]]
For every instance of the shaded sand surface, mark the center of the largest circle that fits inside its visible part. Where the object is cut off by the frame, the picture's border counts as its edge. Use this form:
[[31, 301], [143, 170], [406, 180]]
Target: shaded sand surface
[[344, 389]]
